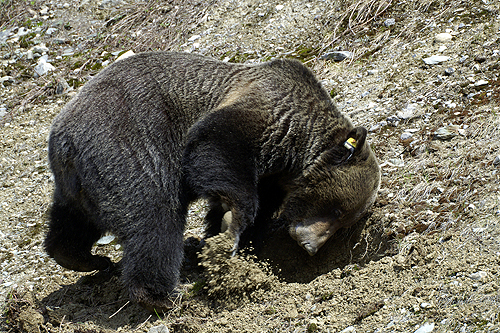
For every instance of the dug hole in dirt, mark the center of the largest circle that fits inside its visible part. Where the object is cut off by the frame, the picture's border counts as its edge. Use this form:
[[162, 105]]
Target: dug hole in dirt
[[426, 258]]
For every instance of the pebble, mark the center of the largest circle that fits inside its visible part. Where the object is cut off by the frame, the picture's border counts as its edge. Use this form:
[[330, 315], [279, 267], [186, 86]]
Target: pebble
[[406, 136], [426, 305], [389, 22], [480, 83], [408, 112], [443, 133], [193, 38], [449, 71], [105, 240], [6, 79], [279, 7], [496, 161], [336, 55], [125, 55], [43, 66], [50, 31], [443, 37], [393, 121], [480, 275], [40, 49], [426, 328], [435, 59], [480, 58], [350, 329], [397, 162], [62, 87], [159, 329]]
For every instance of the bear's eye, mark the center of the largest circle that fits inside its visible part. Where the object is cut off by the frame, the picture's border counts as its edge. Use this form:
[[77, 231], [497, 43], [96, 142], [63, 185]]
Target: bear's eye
[[337, 213]]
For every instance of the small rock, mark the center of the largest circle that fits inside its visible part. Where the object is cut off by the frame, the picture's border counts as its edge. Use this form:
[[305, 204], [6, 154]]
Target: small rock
[[372, 71], [193, 38], [449, 71], [426, 328], [336, 55], [496, 161], [442, 48], [279, 7], [426, 305], [393, 121], [159, 329], [406, 136], [443, 37], [40, 48], [125, 55], [62, 87], [408, 112], [105, 240], [480, 83], [43, 66], [350, 329], [6, 80], [60, 41], [444, 133], [435, 59], [480, 58], [389, 22], [50, 31], [397, 162], [481, 275]]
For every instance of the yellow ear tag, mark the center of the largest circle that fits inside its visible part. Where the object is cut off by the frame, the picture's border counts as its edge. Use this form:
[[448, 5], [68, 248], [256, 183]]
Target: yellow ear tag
[[352, 141], [351, 145]]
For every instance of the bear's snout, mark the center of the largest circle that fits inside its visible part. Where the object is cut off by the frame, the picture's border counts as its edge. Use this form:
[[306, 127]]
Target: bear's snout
[[311, 235]]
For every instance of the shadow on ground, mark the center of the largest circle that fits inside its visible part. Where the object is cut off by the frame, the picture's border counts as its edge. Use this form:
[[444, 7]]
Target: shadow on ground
[[359, 245]]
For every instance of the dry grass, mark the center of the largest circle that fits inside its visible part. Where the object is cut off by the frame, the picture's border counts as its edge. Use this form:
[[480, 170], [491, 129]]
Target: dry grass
[[153, 25], [12, 11]]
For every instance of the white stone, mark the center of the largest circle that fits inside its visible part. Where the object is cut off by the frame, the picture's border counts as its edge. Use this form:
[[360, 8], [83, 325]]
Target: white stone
[[426, 328], [435, 59], [443, 37], [105, 240], [159, 329], [406, 136], [50, 31], [193, 38], [279, 7], [426, 305], [481, 275], [127, 54], [350, 329], [480, 83], [43, 66]]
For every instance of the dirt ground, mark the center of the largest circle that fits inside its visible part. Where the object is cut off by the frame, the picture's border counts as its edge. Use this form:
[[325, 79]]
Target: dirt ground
[[425, 259]]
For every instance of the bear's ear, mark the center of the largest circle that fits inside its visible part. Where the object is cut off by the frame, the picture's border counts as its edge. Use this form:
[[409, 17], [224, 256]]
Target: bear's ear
[[352, 145], [355, 140]]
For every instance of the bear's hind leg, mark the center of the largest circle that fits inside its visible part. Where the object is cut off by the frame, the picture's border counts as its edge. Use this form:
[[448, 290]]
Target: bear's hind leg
[[70, 238], [213, 219]]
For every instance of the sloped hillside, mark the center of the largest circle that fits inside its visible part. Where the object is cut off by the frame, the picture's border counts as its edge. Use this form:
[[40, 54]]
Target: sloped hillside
[[422, 76]]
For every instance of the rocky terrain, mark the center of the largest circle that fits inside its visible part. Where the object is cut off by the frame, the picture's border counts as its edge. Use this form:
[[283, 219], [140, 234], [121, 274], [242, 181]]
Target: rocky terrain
[[422, 76]]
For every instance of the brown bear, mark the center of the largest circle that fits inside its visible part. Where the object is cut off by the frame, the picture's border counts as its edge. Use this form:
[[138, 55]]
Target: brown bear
[[155, 131]]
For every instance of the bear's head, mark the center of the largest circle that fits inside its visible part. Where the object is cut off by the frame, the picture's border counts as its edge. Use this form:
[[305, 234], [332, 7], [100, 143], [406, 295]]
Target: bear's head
[[333, 192]]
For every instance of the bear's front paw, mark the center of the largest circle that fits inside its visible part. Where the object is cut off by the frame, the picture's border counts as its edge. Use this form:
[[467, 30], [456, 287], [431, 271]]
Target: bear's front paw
[[156, 303]]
